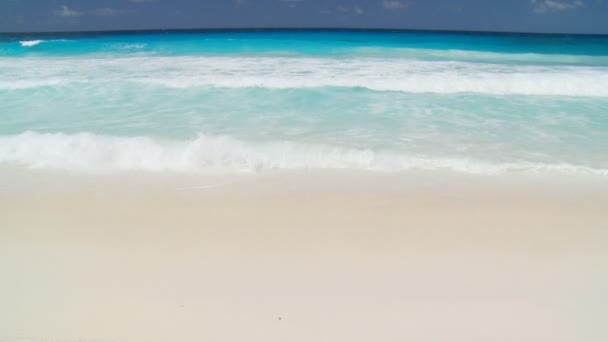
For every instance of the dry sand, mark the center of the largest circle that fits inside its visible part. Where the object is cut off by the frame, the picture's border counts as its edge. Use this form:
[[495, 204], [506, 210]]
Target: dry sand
[[302, 257]]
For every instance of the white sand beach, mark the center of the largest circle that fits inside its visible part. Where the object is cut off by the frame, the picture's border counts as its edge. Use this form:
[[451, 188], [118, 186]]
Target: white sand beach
[[302, 257]]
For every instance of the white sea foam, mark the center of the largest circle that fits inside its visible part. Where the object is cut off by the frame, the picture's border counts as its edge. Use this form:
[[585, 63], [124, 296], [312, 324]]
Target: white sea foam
[[32, 83], [28, 43], [483, 56], [391, 74], [86, 152]]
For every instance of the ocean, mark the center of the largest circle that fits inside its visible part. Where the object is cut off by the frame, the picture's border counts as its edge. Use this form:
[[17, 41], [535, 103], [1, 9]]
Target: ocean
[[260, 100]]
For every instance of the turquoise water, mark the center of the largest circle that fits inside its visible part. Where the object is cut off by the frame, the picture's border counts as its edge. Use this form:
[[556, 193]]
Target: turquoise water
[[242, 101]]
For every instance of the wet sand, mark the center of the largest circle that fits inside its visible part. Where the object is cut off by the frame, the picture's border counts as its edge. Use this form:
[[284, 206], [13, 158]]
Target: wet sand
[[302, 257]]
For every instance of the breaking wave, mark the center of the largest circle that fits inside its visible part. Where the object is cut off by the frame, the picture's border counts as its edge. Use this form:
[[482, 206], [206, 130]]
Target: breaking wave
[[91, 153], [28, 43], [291, 73]]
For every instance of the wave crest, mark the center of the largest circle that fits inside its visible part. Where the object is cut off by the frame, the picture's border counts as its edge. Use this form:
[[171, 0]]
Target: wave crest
[[28, 43], [293, 73], [87, 152]]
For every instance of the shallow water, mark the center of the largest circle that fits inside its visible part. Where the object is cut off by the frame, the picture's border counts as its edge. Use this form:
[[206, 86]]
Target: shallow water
[[242, 101]]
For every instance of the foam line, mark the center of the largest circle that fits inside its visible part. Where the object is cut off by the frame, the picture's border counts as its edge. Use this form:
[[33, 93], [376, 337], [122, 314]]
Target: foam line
[[397, 75], [91, 153]]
